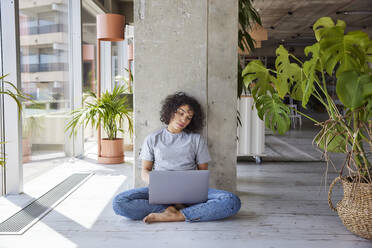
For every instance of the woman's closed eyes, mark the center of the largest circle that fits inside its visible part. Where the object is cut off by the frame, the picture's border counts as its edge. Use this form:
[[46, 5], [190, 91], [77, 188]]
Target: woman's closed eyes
[[181, 113]]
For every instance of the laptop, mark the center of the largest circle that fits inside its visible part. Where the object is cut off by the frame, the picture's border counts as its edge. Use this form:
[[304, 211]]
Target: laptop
[[178, 187]]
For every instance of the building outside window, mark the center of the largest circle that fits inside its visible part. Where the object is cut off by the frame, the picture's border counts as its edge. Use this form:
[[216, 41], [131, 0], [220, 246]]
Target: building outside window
[[44, 50]]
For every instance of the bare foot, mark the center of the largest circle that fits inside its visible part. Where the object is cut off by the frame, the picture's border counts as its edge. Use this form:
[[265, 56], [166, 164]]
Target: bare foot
[[179, 206], [169, 214]]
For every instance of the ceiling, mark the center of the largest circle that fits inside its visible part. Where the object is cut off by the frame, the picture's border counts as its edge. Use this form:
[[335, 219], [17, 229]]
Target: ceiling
[[289, 22]]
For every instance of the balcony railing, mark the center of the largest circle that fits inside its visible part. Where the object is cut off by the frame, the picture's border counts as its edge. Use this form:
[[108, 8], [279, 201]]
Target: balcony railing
[[52, 28], [44, 67]]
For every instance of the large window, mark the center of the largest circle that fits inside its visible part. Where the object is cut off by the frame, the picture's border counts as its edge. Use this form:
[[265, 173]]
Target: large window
[[44, 56], [89, 46]]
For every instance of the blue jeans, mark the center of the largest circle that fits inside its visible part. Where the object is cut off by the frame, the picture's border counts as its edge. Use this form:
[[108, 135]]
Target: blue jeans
[[134, 204]]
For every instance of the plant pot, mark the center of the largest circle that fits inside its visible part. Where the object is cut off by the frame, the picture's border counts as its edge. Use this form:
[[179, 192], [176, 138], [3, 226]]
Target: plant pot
[[112, 151], [355, 209]]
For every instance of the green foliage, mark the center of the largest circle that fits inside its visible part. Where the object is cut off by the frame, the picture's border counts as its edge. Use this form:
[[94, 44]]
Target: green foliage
[[110, 111], [353, 88], [309, 69], [275, 111], [335, 53], [255, 70], [331, 138], [126, 80], [347, 50], [17, 96], [248, 16], [288, 73], [14, 93]]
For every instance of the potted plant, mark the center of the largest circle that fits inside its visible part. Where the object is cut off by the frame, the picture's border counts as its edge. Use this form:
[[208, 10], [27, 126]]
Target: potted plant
[[109, 111], [345, 56]]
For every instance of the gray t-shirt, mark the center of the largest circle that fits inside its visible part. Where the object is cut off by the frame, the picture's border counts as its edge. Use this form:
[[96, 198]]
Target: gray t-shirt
[[180, 151]]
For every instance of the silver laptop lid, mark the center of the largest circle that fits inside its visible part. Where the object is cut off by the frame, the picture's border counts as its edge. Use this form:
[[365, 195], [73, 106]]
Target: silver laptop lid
[[172, 187]]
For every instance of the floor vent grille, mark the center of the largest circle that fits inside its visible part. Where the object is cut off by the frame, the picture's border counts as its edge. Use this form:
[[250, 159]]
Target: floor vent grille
[[33, 212]]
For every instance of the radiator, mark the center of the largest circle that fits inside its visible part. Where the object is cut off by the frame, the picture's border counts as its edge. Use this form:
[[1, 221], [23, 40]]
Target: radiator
[[251, 135]]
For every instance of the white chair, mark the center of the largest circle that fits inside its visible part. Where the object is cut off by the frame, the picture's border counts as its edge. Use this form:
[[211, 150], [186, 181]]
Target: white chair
[[294, 115]]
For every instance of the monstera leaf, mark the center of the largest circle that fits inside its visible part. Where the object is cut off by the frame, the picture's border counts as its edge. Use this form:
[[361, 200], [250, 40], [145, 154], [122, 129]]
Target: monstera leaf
[[331, 138], [353, 89], [287, 73], [324, 23], [347, 50], [255, 70], [369, 53], [275, 112], [309, 68]]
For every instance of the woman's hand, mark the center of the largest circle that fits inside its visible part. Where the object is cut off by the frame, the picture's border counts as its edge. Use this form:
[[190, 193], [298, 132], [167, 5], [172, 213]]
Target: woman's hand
[[203, 166], [145, 172]]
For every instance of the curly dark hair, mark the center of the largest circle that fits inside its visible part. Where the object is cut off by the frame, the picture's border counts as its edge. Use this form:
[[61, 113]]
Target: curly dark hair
[[172, 102]]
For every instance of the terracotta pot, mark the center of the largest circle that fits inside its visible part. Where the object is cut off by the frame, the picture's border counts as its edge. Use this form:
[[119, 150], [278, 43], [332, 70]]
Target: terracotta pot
[[112, 151], [355, 208]]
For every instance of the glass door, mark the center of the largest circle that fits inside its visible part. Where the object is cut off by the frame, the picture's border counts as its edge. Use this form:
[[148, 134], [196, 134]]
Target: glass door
[[44, 58]]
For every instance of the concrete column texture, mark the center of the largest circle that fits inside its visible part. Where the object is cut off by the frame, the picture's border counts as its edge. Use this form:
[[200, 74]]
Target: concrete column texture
[[190, 46]]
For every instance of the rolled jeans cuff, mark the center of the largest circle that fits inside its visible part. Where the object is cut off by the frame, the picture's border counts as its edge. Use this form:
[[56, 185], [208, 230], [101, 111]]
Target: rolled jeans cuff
[[188, 216]]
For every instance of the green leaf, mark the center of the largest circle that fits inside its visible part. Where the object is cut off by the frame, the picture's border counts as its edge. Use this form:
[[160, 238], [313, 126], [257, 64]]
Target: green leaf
[[347, 50], [369, 53], [366, 113], [368, 110], [255, 70], [283, 67], [313, 49], [287, 73], [341, 23], [275, 113], [248, 16], [297, 76], [320, 25], [353, 89], [253, 67], [307, 85], [310, 68], [331, 138], [297, 93]]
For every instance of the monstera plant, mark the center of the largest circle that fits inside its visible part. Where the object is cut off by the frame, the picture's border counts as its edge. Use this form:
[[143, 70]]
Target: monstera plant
[[346, 57]]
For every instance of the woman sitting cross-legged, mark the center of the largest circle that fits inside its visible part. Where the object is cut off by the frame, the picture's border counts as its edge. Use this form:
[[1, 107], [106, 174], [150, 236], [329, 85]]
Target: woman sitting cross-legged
[[177, 146]]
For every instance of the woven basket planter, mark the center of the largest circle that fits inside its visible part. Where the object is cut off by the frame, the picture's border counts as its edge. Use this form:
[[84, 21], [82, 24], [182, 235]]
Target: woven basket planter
[[355, 209]]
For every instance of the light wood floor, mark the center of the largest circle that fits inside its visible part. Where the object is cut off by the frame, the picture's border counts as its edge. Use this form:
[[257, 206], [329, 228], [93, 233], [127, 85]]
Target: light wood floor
[[283, 205]]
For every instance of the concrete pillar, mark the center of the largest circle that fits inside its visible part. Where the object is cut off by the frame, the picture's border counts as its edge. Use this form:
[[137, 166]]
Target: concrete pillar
[[188, 46], [222, 88]]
